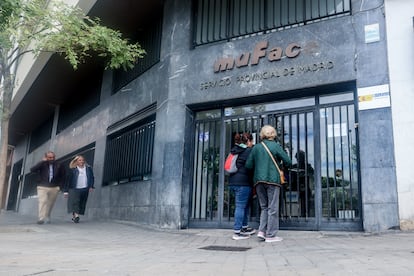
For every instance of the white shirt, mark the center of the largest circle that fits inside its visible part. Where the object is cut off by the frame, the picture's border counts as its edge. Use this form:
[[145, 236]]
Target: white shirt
[[50, 172], [82, 179]]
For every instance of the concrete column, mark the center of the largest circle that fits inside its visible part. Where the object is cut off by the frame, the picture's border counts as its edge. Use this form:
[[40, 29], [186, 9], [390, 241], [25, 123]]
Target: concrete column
[[171, 118]]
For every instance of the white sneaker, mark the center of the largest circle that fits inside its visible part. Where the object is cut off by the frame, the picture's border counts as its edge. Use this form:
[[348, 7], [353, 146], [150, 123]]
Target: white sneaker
[[261, 235], [274, 239]]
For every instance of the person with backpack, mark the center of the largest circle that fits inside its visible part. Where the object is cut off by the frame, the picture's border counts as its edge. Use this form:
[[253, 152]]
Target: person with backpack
[[240, 182]]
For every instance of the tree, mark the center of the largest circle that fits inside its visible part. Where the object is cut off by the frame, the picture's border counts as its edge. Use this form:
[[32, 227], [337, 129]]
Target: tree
[[35, 26]]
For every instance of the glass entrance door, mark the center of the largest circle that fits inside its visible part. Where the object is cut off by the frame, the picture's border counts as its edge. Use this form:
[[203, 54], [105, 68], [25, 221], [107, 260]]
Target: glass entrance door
[[296, 134], [207, 189], [319, 135], [339, 159]]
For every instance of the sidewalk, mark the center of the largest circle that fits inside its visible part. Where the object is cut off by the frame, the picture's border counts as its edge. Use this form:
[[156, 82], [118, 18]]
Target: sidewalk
[[117, 248]]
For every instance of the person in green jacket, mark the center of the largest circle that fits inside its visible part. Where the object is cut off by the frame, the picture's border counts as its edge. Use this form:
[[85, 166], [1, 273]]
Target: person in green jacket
[[266, 179]]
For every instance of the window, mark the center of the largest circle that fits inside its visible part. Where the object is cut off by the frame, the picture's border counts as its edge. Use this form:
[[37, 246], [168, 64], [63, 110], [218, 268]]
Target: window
[[84, 97], [30, 185], [150, 41], [41, 134], [129, 153], [217, 20]]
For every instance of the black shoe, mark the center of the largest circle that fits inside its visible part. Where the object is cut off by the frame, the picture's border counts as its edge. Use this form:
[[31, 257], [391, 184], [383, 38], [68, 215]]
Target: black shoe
[[76, 220], [247, 231], [40, 221]]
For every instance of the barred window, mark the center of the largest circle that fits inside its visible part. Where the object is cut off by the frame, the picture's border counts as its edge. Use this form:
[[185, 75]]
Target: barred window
[[217, 20], [150, 41], [129, 153]]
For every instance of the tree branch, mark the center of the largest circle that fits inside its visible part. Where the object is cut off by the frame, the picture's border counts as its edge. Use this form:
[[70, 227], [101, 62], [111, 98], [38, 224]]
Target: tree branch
[[13, 52], [17, 57]]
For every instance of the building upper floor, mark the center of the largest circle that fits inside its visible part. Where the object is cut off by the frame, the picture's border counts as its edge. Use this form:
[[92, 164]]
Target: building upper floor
[[195, 48]]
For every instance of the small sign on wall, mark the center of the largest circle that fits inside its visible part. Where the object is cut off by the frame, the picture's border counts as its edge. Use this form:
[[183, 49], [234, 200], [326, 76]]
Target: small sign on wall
[[372, 33], [374, 97]]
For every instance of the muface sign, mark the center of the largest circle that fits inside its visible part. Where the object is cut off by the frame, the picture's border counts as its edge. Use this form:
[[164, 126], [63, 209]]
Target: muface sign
[[260, 51]]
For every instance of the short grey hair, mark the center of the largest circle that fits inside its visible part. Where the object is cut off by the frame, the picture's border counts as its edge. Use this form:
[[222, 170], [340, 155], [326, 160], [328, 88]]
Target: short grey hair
[[268, 132]]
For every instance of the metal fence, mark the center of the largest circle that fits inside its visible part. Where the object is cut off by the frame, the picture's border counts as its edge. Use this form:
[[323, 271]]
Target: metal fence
[[216, 20], [129, 154]]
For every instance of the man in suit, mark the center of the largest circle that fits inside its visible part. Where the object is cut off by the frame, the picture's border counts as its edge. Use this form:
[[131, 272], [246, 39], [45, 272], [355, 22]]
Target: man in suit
[[50, 182]]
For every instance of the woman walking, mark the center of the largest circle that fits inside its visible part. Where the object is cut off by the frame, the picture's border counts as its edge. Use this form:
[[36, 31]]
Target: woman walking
[[79, 183]]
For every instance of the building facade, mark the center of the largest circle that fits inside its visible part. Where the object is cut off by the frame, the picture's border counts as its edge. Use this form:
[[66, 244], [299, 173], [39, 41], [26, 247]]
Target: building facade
[[157, 135]]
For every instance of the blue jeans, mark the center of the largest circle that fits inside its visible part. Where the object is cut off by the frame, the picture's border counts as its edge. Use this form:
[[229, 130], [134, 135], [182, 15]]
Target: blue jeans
[[241, 214]]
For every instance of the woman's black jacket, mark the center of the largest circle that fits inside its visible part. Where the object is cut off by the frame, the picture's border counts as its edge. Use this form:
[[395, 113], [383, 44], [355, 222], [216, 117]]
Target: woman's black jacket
[[243, 176]]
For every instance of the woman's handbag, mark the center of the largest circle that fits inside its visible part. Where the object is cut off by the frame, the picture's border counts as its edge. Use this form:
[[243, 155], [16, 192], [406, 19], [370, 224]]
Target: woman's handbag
[[282, 175]]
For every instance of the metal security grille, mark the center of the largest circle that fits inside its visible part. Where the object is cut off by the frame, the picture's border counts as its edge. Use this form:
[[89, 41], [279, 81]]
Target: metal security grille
[[217, 20], [339, 158], [129, 153], [206, 167], [212, 200], [296, 133], [226, 248], [319, 134], [249, 124]]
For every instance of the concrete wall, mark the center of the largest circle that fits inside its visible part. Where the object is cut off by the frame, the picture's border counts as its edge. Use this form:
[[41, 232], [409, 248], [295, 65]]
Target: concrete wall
[[379, 196], [321, 43], [400, 37]]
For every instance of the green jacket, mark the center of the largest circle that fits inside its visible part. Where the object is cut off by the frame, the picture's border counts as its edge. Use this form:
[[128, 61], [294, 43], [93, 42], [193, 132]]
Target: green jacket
[[264, 169]]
